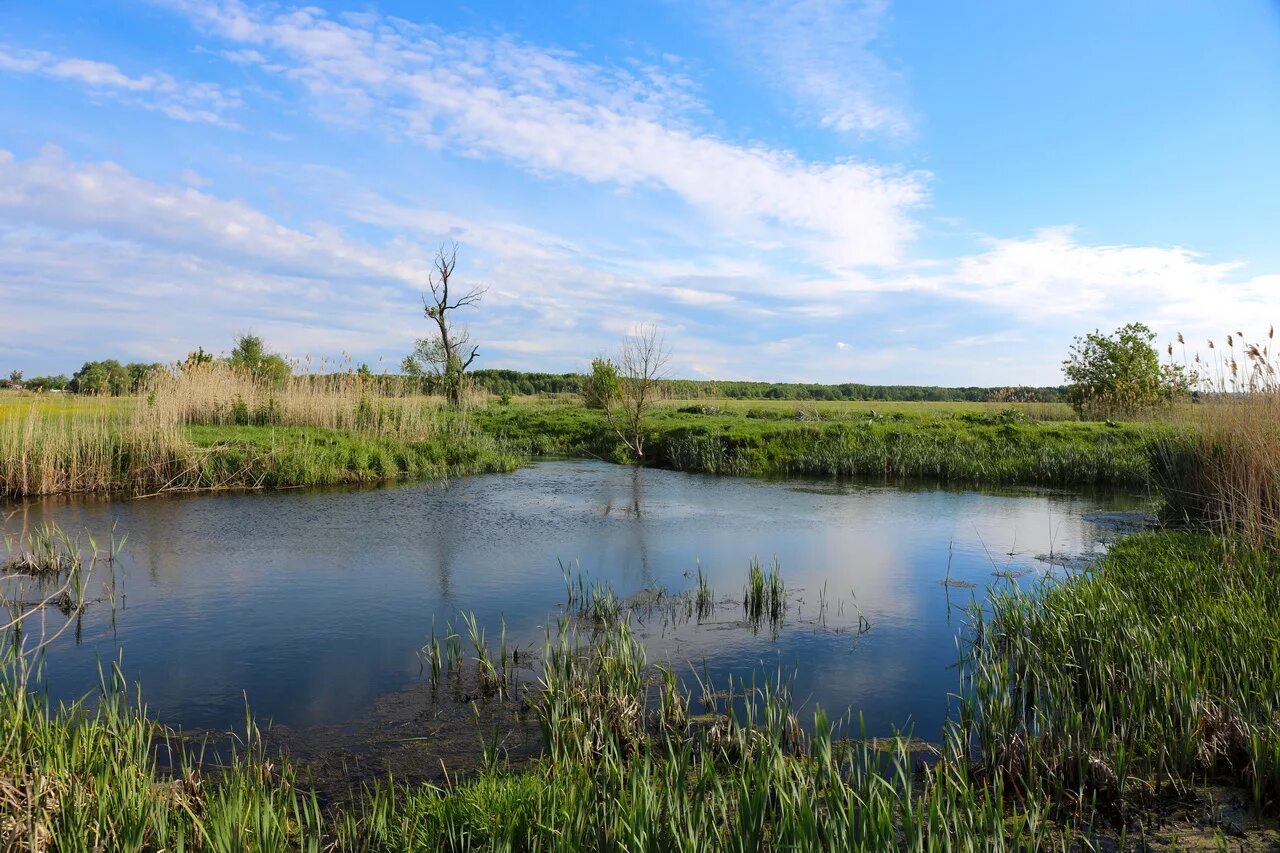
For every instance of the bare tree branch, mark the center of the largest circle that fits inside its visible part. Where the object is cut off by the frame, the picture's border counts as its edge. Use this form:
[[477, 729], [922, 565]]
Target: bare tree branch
[[642, 364], [441, 354]]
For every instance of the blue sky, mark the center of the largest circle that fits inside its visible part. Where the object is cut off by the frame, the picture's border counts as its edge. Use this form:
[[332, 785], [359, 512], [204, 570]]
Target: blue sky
[[824, 191]]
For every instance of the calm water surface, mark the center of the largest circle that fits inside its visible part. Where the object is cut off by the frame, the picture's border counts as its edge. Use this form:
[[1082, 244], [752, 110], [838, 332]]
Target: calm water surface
[[312, 605]]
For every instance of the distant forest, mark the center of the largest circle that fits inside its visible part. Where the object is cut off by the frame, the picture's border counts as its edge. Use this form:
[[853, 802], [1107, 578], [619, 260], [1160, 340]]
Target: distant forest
[[518, 382], [112, 377]]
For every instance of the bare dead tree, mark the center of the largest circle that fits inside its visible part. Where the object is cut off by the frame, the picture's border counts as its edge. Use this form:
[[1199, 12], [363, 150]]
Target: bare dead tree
[[447, 352], [641, 367]]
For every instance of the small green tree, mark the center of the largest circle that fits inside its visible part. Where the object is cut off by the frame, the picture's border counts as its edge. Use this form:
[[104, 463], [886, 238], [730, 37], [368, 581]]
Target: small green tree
[[16, 378], [250, 355], [600, 389], [1119, 374], [197, 357], [93, 377]]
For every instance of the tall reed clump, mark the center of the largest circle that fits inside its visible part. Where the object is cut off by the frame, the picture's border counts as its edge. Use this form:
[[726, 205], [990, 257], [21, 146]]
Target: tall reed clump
[[1226, 474], [205, 426], [218, 394], [49, 451]]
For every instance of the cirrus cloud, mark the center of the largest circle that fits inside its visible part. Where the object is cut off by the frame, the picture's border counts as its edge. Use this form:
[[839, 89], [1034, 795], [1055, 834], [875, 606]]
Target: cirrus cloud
[[550, 112], [187, 101]]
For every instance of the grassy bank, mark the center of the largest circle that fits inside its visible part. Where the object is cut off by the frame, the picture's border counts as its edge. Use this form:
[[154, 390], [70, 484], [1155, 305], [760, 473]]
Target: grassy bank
[[215, 430], [1110, 708], [960, 443], [1136, 682], [279, 457]]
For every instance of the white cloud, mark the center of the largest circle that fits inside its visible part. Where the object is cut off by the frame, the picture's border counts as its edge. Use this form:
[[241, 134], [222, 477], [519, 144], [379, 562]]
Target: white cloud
[[186, 101], [92, 252], [689, 296], [105, 199], [1053, 275], [502, 238], [552, 113], [819, 53]]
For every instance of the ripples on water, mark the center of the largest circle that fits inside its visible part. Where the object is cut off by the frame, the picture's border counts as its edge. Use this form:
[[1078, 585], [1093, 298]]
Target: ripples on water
[[312, 605]]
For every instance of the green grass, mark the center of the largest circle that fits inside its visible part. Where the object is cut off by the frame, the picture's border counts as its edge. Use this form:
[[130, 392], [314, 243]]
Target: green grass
[[1160, 666], [274, 457], [959, 443]]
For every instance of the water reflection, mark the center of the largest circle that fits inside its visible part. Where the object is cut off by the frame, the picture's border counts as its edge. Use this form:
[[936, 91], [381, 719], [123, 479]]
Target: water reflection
[[313, 605]]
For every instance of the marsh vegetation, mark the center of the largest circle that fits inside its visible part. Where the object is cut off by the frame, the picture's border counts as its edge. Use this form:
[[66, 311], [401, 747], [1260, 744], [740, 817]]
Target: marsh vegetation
[[1130, 701]]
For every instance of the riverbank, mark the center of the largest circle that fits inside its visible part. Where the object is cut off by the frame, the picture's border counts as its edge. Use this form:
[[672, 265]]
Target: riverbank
[[303, 438], [74, 445], [973, 444], [1131, 703]]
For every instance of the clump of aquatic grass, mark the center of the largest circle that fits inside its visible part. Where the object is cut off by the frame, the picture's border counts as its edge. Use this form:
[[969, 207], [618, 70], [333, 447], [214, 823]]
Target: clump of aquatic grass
[[46, 567], [494, 677], [602, 605], [42, 551], [430, 656], [704, 597], [487, 671], [764, 598], [591, 601], [592, 697]]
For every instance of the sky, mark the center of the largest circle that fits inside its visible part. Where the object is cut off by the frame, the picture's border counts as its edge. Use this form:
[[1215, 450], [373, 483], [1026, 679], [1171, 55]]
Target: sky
[[883, 192]]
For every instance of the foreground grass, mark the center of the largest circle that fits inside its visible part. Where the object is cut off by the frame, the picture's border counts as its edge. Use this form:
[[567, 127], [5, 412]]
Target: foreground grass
[[958, 443], [1085, 710], [1157, 671]]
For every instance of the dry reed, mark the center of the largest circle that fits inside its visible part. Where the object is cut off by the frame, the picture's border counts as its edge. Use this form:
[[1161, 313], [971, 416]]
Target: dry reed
[[1228, 474], [145, 447], [44, 452], [217, 394]]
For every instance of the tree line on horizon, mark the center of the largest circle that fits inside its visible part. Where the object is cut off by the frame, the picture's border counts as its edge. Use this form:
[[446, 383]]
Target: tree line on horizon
[[520, 382], [110, 377]]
